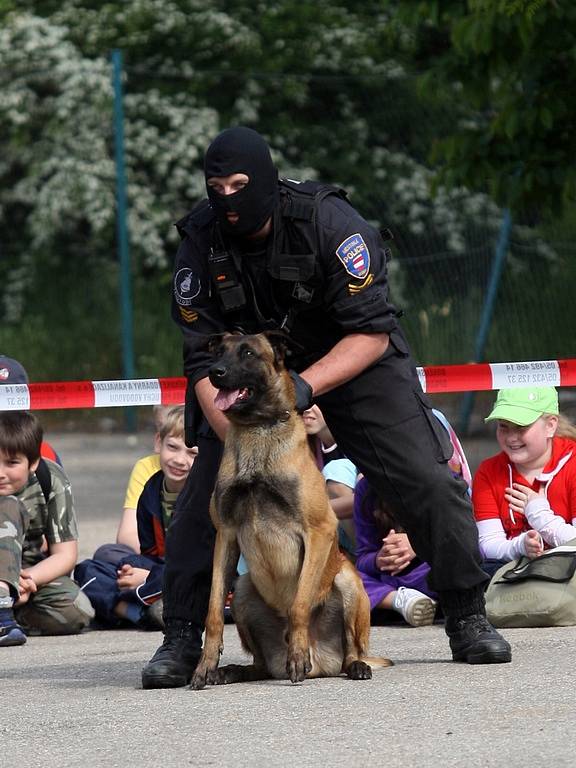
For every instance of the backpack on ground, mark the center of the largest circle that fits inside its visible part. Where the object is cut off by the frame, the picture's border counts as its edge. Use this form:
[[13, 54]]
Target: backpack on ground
[[535, 593]]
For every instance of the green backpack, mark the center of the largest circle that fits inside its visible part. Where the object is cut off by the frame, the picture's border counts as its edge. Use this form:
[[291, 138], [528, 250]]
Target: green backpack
[[535, 593]]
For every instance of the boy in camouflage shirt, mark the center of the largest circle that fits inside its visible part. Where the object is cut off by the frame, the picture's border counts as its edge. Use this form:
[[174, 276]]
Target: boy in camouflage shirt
[[38, 540]]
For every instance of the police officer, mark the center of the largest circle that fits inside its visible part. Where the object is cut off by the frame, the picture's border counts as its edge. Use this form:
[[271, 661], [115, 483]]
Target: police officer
[[262, 253]]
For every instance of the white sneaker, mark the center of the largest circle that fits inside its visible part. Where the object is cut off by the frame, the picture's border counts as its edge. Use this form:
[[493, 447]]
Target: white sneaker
[[417, 608]]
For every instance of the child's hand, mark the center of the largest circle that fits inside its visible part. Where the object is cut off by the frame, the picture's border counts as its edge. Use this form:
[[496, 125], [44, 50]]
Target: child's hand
[[533, 545], [26, 587], [395, 553], [518, 496], [130, 577]]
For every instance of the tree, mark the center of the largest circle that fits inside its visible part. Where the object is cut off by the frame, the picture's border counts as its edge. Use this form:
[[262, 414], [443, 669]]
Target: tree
[[317, 78], [508, 66], [327, 82]]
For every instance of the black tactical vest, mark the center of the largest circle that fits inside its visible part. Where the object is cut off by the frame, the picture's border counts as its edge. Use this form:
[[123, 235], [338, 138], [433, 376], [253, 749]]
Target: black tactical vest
[[292, 260]]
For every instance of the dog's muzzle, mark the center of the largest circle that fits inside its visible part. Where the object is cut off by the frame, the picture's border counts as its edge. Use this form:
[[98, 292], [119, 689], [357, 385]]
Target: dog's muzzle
[[228, 394]]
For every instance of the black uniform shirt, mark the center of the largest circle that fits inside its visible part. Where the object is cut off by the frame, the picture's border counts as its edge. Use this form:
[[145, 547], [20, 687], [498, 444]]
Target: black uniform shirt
[[344, 292]]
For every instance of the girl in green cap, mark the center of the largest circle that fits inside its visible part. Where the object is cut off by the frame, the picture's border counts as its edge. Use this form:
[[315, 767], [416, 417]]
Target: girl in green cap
[[525, 497]]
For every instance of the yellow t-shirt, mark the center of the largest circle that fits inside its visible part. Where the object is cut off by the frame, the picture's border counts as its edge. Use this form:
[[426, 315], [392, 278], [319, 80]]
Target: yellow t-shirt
[[141, 473]]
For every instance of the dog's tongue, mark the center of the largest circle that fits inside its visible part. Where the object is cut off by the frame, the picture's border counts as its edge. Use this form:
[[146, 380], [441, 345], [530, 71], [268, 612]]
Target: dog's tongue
[[225, 398]]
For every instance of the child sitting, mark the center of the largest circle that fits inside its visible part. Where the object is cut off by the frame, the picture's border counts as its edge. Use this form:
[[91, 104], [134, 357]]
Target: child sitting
[[13, 372], [341, 477], [131, 591], [127, 541], [394, 578], [525, 496], [392, 574], [38, 542]]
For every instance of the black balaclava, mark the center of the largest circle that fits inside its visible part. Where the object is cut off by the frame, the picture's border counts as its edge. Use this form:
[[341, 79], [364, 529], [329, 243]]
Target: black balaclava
[[242, 150]]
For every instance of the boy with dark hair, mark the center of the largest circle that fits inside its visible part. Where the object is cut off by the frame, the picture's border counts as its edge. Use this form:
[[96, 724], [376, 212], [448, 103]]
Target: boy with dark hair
[[13, 372], [131, 591], [38, 540]]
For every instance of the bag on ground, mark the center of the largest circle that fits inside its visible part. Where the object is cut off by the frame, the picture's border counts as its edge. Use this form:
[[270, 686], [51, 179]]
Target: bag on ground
[[535, 593]]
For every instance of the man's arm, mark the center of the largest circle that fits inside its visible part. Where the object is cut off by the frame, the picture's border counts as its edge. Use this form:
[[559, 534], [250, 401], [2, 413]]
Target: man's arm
[[206, 393], [349, 357]]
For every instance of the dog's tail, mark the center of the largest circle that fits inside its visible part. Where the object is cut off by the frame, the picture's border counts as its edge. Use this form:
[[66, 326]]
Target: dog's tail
[[377, 662]]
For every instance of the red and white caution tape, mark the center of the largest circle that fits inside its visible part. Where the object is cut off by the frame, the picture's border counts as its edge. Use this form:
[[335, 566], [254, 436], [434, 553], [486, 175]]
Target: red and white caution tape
[[485, 376], [131, 392], [91, 394]]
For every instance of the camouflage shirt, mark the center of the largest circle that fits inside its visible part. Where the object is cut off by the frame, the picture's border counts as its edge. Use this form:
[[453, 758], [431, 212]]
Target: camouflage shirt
[[54, 521]]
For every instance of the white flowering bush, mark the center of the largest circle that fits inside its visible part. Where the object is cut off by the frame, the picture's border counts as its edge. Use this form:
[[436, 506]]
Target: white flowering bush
[[58, 168], [318, 79]]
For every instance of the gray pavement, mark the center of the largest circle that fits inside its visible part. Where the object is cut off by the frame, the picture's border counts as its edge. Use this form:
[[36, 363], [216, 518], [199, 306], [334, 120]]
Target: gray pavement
[[77, 701]]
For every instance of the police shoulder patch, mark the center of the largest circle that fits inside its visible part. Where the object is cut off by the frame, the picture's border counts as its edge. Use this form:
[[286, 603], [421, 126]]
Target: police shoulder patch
[[354, 255], [186, 286]]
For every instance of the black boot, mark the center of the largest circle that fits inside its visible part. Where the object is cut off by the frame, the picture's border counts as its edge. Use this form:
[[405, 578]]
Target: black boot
[[173, 664], [474, 640]]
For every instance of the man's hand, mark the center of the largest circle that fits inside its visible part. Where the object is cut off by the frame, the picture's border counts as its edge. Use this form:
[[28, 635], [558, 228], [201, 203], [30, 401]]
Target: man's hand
[[395, 553], [206, 393], [303, 392], [347, 358]]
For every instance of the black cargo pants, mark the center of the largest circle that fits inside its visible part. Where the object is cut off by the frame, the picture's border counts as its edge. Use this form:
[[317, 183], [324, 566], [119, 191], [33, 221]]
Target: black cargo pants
[[190, 538], [384, 423]]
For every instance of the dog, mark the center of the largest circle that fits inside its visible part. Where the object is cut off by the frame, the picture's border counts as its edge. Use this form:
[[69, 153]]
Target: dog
[[301, 610]]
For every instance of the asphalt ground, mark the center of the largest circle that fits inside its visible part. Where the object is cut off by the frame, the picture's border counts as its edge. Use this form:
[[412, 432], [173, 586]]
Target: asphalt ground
[[78, 701]]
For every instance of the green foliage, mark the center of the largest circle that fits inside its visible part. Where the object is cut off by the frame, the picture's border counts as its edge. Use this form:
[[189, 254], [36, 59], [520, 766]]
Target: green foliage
[[374, 97], [509, 67]]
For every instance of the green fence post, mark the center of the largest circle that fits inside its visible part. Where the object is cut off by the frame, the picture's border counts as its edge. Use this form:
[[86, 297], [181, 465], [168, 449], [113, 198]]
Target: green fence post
[[122, 234], [487, 312]]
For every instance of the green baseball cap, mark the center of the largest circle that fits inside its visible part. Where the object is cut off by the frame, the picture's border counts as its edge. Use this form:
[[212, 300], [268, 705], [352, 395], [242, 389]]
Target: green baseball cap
[[524, 406]]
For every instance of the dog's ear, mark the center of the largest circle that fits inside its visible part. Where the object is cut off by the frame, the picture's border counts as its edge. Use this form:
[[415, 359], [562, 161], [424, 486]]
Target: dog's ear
[[213, 343], [279, 341]]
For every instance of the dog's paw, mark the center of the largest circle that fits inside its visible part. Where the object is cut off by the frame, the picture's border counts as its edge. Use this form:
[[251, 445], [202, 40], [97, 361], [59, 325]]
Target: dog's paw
[[213, 677], [205, 675], [197, 683], [359, 670], [199, 678], [298, 665]]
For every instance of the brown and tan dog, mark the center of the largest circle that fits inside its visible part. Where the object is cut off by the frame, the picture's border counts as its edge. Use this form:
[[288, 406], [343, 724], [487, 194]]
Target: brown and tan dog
[[302, 610]]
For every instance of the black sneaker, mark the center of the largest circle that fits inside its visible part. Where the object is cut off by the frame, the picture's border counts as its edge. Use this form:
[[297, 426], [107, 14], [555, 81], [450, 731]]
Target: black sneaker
[[152, 617], [11, 633], [173, 664], [474, 640]]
